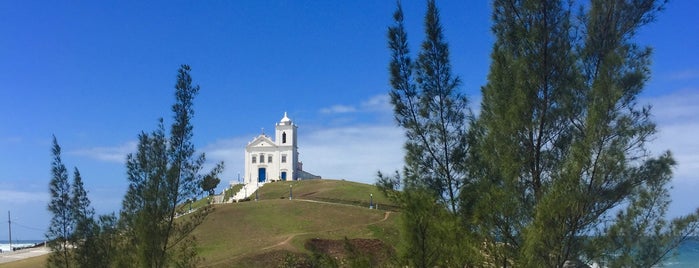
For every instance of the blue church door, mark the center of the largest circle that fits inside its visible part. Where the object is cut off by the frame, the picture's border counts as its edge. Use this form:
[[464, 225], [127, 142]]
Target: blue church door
[[283, 175], [262, 175]]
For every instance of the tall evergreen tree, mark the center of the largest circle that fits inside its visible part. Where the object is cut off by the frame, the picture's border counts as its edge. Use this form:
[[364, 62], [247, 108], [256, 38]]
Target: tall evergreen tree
[[562, 141], [84, 235], [432, 111], [429, 106], [62, 223], [163, 174]]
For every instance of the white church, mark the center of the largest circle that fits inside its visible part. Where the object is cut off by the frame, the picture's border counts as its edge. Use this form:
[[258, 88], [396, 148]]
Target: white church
[[268, 160]]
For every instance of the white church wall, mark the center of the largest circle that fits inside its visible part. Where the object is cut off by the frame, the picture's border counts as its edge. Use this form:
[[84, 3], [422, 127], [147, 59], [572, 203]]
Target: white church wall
[[278, 149]]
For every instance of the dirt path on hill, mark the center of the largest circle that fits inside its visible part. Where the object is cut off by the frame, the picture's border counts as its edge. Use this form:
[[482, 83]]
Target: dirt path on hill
[[291, 236]]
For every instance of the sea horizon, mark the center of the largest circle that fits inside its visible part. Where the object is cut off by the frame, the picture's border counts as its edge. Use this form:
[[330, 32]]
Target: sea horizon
[[5, 244]]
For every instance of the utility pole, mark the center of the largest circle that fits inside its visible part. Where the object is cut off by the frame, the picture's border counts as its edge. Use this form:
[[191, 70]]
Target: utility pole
[[9, 225]]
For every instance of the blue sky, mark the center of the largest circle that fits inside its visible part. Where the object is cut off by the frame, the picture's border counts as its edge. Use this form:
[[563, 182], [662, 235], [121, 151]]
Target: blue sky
[[96, 73]]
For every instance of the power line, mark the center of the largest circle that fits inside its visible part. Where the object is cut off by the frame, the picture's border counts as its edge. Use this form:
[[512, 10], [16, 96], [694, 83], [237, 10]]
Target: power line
[[28, 227]]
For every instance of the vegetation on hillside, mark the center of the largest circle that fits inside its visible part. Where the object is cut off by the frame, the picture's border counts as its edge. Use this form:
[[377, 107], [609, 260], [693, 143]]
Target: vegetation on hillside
[[327, 223], [62, 220], [164, 176], [555, 170], [75, 236]]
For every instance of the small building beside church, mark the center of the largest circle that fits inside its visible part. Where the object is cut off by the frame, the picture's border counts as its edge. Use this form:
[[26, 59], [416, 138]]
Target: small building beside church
[[277, 159]]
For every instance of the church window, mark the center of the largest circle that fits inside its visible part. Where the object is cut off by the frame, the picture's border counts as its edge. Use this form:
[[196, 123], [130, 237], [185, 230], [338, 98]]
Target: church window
[[284, 137], [269, 159], [262, 158], [254, 159], [283, 158]]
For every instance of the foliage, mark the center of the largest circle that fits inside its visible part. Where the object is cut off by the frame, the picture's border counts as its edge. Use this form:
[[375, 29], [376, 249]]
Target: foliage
[[563, 141], [428, 105], [430, 237], [75, 237], [84, 235], [62, 222], [555, 168], [104, 242], [209, 184], [163, 174]]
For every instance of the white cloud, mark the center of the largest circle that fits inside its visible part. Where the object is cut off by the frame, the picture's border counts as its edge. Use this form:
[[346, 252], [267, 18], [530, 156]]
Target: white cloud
[[18, 197], [338, 109], [231, 151], [375, 104], [679, 107], [116, 154], [378, 103], [354, 153], [676, 118]]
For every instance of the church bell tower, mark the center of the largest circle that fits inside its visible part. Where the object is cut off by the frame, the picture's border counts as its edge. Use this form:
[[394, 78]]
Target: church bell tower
[[285, 138]]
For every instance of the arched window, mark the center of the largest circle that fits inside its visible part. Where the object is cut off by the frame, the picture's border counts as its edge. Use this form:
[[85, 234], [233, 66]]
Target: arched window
[[284, 137]]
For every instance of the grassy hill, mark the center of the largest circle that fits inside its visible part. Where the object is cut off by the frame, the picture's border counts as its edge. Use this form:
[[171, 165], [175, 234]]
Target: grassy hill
[[265, 232], [333, 191], [316, 222]]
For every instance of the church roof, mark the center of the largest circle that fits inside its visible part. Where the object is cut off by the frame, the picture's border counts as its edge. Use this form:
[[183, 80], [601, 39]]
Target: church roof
[[261, 141]]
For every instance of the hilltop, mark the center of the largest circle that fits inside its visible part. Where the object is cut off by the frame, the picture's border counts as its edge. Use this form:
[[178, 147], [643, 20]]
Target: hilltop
[[320, 216], [327, 220]]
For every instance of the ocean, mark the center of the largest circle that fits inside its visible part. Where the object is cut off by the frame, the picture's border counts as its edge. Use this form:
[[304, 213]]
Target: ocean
[[688, 255], [5, 246]]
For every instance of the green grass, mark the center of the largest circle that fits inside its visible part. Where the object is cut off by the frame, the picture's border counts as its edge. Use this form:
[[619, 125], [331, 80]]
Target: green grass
[[234, 234], [249, 234], [334, 191], [39, 261], [249, 228]]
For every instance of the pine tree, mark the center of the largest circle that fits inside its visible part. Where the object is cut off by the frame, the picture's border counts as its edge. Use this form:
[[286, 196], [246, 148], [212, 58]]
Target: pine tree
[[84, 236], [562, 140], [428, 105], [163, 174], [62, 223], [209, 184]]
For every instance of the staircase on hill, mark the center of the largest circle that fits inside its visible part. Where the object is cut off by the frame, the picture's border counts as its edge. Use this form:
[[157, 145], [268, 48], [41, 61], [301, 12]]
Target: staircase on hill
[[245, 192]]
